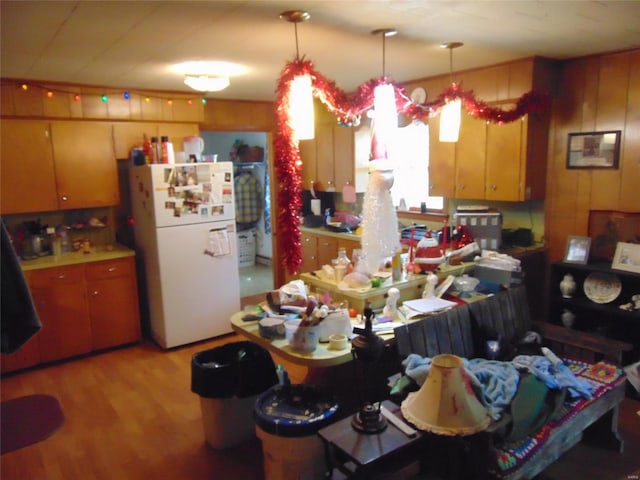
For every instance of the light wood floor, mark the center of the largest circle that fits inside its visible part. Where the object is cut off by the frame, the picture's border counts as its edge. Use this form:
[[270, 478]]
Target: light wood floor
[[130, 414]]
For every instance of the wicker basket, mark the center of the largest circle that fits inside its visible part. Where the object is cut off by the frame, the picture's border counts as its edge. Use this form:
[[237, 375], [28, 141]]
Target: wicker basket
[[247, 248]]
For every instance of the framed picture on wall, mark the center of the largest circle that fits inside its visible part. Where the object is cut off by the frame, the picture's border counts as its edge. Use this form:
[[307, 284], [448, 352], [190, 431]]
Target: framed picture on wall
[[627, 257], [577, 250], [593, 149]]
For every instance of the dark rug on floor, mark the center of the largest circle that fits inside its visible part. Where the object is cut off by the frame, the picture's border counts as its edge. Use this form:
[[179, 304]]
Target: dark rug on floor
[[28, 420]]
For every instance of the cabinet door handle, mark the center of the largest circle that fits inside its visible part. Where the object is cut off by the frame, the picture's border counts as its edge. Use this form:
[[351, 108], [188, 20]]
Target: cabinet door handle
[[61, 276], [64, 198], [111, 269], [95, 293], [494, 188], [462, 186]]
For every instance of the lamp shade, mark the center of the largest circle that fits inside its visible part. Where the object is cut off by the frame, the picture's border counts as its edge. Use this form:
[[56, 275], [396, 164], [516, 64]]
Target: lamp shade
[[206, 83], [450, 121], [301, 107], [446, 403]]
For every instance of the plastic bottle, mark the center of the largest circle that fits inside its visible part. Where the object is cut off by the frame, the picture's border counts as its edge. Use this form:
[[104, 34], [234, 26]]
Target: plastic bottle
[[167, 150], [342, 264], [155, 150], [146, 149]]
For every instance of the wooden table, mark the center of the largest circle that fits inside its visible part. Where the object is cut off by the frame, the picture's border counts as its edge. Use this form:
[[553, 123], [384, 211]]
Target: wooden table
[[360, 455]]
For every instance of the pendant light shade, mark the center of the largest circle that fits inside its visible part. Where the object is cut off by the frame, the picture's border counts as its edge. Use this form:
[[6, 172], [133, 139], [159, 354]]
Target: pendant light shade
[[450, 121], [446, 403], [301, 115], [301, 107], [452, 109]]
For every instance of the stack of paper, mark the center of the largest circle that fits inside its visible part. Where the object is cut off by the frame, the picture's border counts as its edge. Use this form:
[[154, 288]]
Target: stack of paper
[[424, 306]]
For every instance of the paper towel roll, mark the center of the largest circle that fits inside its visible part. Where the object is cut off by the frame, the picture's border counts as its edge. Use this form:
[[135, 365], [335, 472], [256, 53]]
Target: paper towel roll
[[315, 206]]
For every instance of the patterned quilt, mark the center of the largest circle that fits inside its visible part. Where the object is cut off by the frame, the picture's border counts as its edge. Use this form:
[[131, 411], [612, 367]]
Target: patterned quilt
[[602, 376]]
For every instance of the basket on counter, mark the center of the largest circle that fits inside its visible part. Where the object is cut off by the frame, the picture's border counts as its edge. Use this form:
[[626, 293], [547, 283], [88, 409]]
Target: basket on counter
[[247, 248]]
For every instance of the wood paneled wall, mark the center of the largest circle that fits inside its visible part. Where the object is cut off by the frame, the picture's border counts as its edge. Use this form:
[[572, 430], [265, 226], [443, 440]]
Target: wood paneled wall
[[595, 93]]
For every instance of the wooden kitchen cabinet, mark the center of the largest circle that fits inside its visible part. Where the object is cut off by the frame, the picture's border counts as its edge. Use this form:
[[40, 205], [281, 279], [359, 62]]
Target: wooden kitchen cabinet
[[490, 161], [127, 135], [328, 160], [470, 154], [505, 162], [327, 250], [113, 302], [27, 180], [442, 163], [86, 167], [59, 295], [309, 252], [82, 308]]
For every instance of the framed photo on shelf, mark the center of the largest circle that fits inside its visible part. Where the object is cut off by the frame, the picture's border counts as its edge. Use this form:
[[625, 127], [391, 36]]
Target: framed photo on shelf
[[593, 149], [607, 228], [627, 257], [577, 250]]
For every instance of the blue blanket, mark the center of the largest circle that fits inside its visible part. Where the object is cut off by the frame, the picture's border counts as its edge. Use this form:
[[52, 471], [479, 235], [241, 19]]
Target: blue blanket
[[495, 383]]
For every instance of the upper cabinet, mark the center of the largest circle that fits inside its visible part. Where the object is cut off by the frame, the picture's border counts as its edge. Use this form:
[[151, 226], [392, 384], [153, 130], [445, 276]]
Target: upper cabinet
[[27, 180], [86, 169], [48, 166], [328, 159], [490, 161], [127, 135]]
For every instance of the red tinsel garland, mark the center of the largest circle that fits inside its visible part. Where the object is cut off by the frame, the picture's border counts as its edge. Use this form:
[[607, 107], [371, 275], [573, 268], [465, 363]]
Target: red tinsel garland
[[348, 109]]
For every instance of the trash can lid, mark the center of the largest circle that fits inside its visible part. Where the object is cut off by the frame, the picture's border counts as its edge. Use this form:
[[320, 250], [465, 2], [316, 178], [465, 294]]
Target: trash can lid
[[294, 410]]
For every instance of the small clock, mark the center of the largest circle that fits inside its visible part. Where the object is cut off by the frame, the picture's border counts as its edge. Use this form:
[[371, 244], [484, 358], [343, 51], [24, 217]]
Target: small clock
[[418, 95]]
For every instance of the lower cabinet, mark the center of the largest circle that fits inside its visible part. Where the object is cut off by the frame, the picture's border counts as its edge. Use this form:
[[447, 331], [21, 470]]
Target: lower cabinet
[[82, 308], [113, 303], [319, 250], [59, 295]]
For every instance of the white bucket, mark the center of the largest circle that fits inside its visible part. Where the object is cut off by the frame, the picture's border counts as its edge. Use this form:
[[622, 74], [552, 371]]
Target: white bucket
[[228, 422], [292, 458]]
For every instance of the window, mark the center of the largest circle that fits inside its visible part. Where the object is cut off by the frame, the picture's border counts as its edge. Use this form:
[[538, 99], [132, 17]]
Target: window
[[411, 174]]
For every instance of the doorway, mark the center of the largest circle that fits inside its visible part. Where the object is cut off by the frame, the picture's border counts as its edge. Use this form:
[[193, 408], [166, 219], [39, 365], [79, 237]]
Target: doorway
[[254, 238]]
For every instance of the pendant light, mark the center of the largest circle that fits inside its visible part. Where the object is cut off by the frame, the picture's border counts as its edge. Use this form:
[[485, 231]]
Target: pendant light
[[301, 112], [451, 111], [385, 121]]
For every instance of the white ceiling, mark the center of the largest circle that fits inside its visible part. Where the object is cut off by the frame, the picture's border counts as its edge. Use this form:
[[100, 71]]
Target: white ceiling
[[131, 44]]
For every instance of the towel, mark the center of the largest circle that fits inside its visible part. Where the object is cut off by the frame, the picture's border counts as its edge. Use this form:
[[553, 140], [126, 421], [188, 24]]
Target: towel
[[19, 318], [554, 373]]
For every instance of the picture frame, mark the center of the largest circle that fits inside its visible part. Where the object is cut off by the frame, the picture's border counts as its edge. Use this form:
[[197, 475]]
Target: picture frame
[[607, 228], [594, 149], [627, 257], [577, 249]]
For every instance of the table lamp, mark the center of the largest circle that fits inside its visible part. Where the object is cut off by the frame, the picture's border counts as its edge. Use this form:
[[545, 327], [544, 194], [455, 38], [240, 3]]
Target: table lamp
[[367, 348]]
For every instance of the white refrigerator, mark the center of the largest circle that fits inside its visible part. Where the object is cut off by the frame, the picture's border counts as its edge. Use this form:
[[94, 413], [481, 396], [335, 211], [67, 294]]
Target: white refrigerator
[[185, 233]]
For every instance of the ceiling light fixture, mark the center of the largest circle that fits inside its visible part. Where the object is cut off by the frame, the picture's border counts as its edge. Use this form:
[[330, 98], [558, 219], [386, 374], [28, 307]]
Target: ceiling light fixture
[[301, 88], [451, 111], [207, 83], [385, 120]]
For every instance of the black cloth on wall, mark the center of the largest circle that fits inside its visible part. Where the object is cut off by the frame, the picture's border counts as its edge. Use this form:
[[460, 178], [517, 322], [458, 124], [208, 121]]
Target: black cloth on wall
[[19, 319]]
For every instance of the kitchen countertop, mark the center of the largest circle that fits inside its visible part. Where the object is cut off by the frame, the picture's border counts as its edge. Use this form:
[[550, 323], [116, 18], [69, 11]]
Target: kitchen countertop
[[329, 233], [74, 258]]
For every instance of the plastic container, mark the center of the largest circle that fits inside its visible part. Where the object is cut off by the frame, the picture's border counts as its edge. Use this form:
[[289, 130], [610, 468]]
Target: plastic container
[[303, 339], [287, 419], [228, 380]]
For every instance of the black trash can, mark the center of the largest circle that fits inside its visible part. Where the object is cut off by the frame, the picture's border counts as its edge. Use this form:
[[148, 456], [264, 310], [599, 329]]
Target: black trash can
[[228, 380]]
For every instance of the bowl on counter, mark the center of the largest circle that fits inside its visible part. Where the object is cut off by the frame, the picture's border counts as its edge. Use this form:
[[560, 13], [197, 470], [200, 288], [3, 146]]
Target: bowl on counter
[[465, 284]]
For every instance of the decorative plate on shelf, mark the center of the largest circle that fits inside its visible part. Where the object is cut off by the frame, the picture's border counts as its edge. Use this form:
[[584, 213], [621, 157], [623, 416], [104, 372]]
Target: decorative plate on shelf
[[602, 287]]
